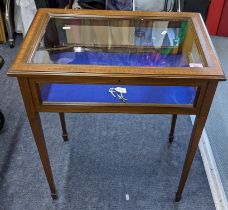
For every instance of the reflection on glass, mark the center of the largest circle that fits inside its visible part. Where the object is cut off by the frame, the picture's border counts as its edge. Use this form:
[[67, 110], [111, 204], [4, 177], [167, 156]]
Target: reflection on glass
[[118, 42], [92, 93]]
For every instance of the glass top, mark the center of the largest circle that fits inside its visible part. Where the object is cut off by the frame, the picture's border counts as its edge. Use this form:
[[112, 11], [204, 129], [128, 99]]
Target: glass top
[[118, 42]]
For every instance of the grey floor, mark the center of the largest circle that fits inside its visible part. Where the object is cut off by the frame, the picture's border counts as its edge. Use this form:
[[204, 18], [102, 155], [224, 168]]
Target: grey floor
[[217, 123], [107, 157]]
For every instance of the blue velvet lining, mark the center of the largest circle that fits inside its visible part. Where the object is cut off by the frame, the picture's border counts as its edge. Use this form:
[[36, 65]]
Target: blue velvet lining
[[135, 94], [119, 59]]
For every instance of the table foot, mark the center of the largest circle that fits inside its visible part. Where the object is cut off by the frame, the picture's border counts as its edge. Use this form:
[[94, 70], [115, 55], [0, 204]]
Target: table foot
[[171, 139], [65, 137], [178, 198], [172, 129], [54, 196], [63, 125]]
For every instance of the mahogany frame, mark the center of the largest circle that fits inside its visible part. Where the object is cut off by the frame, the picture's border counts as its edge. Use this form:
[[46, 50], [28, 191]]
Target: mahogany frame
[[30, 75]]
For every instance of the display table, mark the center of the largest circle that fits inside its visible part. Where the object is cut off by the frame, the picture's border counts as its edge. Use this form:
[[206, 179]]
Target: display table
[[117, 62]]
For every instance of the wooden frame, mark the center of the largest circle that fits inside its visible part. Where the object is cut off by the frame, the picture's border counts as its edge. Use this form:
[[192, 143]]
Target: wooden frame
[[21, 67], [31, 75]]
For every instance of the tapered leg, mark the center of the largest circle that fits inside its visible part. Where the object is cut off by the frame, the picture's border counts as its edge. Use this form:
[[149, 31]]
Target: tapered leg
[[195, 136], [37, 131], [192, 148], [172, 129], [63, 125]]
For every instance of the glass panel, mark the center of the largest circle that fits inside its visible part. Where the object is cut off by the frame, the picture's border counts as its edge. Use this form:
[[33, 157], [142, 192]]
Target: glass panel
[[118, 42], [57, 92]]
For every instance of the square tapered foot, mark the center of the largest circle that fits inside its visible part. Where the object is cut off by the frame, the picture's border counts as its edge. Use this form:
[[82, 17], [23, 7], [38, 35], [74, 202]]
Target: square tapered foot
[[65, 137], [178, 198], [171, 139], [54, 196]]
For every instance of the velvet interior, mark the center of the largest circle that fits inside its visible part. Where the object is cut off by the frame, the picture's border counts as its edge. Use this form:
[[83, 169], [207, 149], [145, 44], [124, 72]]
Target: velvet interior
[[135, 94], [119, 59]]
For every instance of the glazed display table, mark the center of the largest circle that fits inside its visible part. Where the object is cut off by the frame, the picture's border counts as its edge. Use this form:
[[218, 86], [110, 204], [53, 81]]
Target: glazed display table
[[117, 62]]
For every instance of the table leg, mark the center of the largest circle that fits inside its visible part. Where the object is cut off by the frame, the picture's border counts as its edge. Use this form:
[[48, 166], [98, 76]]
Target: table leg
[[37, 131], [63, 125], [195, 136], [172, 129], [192, 148]]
